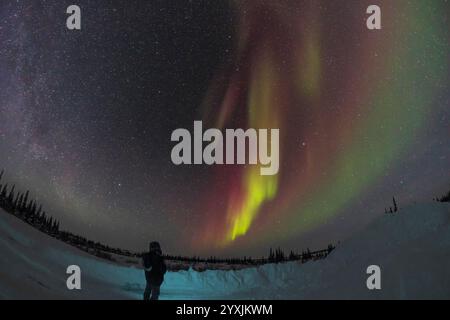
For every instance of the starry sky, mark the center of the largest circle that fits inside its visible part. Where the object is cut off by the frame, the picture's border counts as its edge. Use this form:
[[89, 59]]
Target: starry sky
[[86, 116]]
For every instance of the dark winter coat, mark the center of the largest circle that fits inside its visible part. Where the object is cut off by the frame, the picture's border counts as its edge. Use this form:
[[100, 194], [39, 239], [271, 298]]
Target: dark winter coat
[[155, 267]]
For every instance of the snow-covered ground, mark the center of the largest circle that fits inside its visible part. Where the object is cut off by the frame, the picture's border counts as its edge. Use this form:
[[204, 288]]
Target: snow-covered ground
[[412, 248]]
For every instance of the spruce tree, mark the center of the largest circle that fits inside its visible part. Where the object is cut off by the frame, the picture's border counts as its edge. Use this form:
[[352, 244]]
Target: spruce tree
[[11, 196], [25, 201], [395, 204], [4, 192]]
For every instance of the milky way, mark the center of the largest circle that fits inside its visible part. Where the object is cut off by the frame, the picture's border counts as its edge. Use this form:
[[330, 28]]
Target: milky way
[[86, 116]]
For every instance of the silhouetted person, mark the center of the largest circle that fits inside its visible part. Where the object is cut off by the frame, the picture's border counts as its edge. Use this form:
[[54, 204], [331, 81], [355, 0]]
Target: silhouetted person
[[155, 268]]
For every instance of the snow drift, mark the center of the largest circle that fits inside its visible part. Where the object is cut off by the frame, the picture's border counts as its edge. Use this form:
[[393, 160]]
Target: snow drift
[[412, 248]]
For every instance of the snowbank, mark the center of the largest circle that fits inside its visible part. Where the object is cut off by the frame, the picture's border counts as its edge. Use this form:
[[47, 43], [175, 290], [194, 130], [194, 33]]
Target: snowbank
[[412, 248]]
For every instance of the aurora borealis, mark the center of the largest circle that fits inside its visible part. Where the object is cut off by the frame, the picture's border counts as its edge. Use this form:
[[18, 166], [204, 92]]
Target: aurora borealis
[[353, 116], [86, 117]]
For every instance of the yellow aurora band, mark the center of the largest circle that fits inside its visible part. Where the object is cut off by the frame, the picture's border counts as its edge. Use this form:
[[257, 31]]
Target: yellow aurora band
[[257, 189], [263, 104], [336, 91]]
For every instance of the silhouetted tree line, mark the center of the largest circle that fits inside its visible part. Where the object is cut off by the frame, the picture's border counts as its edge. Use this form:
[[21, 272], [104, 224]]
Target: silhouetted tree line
[[444, 198], [28, 210], [21, 206], [275, 256], [278, 255]]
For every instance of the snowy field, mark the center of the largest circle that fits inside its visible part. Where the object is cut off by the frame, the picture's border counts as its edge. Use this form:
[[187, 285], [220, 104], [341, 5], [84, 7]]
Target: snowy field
[[412, 248]]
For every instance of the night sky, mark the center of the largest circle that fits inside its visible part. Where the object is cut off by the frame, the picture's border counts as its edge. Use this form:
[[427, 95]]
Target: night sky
[[86, 116]]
